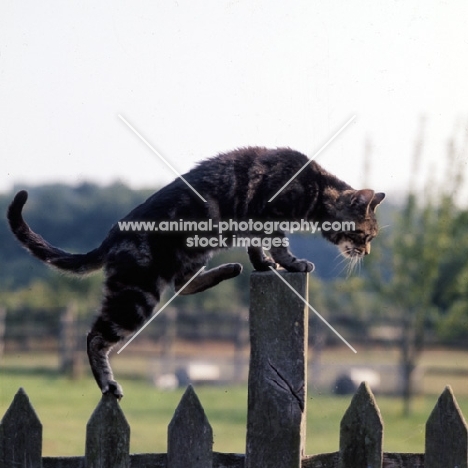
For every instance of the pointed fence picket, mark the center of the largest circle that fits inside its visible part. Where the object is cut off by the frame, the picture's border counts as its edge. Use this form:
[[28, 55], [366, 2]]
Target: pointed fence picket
[[361, 432], [190, 437], [276, 413], [107, 425], [20, 434], [446, 434]]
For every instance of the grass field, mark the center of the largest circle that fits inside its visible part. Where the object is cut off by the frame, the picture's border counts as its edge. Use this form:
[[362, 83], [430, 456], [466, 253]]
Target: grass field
[[64, 407]]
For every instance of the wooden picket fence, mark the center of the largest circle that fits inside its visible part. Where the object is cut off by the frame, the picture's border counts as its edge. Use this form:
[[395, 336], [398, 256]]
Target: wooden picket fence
[[276, 412]]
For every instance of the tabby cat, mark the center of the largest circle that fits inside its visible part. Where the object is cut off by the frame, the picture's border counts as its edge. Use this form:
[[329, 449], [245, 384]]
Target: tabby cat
[[236, 186]]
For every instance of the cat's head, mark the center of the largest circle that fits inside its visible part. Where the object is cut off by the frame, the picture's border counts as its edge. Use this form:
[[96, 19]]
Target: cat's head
[[352, 212]]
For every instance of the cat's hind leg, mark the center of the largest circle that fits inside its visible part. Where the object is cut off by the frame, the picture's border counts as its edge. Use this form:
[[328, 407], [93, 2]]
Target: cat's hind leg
[[100, 342], [124, 310], [206, 279]]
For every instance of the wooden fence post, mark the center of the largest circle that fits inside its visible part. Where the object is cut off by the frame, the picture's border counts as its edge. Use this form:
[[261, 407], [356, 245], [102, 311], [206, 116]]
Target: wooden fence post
[[107, 436], [190, 437], [2, 329], [70, 359], [167, 340], [20, 435], [361, 432], [278, 371], [241, 343], [446, 434]]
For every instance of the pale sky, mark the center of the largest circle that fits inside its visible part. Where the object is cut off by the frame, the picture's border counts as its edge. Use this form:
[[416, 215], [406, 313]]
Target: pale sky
[[200, 77]]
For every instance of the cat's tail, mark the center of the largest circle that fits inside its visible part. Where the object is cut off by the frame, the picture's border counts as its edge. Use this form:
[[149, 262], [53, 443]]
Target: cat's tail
[[41, 249]]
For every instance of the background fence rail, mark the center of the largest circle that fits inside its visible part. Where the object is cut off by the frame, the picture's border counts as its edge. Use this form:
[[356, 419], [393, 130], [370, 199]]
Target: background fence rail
[[276, 409]]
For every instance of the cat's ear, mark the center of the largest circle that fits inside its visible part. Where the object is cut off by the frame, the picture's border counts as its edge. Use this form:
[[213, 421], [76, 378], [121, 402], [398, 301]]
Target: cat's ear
[[377, 200], [362, 197]]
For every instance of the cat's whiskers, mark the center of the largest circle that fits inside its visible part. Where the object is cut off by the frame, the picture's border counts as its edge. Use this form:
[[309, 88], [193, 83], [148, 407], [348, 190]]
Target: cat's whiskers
[[348, 261], [345, 268], [338, 255], [344, 259], [350, 267], [353, 264]]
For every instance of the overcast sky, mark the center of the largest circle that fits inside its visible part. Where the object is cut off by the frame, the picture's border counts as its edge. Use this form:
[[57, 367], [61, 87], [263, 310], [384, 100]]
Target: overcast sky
[[200, 77]]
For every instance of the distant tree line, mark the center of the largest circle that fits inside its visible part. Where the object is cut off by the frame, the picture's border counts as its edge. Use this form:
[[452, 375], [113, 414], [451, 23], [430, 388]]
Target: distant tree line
[[415, 281], [416, 274]]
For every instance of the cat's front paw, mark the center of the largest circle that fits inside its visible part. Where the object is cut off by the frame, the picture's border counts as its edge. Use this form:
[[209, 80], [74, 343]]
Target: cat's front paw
[[113, 388], [300, 266], [265, 265]]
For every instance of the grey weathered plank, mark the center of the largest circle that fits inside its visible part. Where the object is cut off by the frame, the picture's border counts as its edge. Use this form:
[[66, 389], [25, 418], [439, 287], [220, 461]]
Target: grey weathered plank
[[361, 432], [390, 460], [20, 435], [148, 460], [446, 434], [107, 436], [403, 460], [278, 371], [190, 437], [63, 462], [322, 460], [228, 460], [235, 460], [139, 460]]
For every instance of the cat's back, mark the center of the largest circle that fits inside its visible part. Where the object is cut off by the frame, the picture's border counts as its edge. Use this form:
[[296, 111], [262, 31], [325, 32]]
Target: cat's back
[[230, 178], [249, 159]]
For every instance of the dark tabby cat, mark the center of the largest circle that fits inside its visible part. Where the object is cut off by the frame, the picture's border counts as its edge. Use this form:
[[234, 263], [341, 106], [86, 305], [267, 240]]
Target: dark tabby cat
[[236, 186]]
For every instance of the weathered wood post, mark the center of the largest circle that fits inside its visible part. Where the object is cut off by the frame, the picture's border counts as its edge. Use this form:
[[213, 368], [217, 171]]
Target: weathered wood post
[[361, 432], [278, 371], [68, 354], [20, 435], [2, 329], [241, 343], [446, 434], [168, 340], [107, 436], [190, 437]]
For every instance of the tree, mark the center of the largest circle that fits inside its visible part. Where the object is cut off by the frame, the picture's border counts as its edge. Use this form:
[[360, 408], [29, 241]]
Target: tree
[[414, 254], [451, 293]]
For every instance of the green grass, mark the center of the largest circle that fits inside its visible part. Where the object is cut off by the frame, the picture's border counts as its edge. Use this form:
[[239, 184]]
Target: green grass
[[401, 434], [64, 407]]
